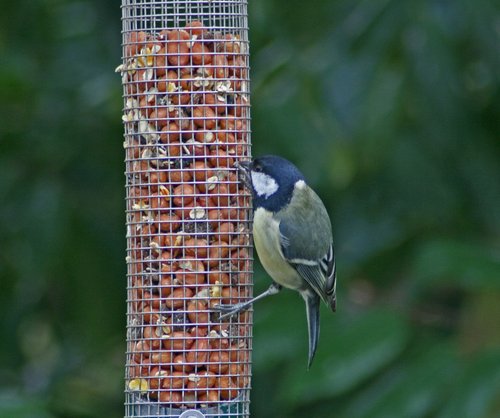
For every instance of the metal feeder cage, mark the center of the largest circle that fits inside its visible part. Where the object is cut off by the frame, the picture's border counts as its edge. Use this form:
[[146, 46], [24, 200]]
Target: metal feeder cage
[[185, 76]]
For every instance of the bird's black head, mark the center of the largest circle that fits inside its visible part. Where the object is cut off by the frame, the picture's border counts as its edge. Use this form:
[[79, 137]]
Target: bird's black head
[[272, 180]]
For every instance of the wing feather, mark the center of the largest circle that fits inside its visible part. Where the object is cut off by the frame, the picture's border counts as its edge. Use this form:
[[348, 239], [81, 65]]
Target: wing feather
[[306, 242], [319, 273]]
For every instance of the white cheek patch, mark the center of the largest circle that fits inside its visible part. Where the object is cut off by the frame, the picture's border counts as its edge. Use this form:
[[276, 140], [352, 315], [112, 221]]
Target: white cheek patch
[[263, 184], [301, 184]]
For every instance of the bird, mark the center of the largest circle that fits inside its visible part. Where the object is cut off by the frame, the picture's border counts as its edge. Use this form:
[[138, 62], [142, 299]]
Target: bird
[[292, 234]]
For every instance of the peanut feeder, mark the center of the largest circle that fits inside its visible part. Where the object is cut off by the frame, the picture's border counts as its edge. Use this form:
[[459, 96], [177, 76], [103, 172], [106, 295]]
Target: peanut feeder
[[186, 115]]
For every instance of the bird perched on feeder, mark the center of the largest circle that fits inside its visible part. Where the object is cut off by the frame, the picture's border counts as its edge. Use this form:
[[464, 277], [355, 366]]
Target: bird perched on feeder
[[293, 237]]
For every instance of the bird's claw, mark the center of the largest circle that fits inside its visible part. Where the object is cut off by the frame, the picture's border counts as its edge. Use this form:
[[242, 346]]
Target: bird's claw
[[228, 310]]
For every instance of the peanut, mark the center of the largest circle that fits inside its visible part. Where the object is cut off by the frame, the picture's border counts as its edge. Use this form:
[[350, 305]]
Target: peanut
[[204, 137], [170, 133], [225, 232], [175, 380], [220, 194], [204, 117], [168, 222], [178, 297], [181, 365], [135, 42], [177, 47], [179, 176], [152, 334], [219, 158], [156, 378], [229, 390], [209, 397], [165, 286], [230, 295], [198, 354], [196, 28], [216, 101], [196, 247], [178, 341], [151, 315], [198, 312], [159, 201], [170, 397], [217, 253], [203, 380], [200, 54], [183, 195], [218, 362], [161, 358]]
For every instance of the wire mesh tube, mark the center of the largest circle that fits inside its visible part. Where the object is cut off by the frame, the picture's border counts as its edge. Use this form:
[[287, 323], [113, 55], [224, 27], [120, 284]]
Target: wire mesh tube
[[187, 120]]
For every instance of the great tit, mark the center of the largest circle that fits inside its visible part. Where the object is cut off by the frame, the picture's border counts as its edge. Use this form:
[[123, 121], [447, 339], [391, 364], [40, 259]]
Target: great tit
[[293, 238]]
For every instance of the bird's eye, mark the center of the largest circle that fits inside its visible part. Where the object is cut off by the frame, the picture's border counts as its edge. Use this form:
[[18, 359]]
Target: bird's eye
[[257, 168]]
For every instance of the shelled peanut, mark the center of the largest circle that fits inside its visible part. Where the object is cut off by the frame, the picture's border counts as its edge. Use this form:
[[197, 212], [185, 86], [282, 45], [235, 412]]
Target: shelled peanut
[[186, 124]]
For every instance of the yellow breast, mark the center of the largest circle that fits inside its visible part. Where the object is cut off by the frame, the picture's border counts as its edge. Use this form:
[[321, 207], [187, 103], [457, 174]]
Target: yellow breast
[[267, 243]]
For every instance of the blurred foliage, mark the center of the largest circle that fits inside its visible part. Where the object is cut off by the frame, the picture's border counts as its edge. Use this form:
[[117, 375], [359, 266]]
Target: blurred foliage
[[392, 110]]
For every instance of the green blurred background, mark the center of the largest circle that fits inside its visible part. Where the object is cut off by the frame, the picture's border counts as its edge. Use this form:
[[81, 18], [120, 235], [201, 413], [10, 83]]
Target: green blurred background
[[390, 107]]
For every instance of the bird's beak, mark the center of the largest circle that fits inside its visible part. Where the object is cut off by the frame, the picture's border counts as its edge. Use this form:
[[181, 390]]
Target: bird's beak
[[244, 168]]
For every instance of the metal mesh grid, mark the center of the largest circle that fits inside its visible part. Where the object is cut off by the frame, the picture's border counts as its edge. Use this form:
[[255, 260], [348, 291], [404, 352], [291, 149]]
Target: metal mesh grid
[[185, 75]]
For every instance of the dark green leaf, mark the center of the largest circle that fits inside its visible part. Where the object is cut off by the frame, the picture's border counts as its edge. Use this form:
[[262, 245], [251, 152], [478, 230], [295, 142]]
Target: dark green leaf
[[476, 392], [412, 387], [354, 353], [462, 264]]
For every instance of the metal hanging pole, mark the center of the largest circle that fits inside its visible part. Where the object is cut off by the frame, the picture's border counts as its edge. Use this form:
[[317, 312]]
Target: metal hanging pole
[[185, 75]]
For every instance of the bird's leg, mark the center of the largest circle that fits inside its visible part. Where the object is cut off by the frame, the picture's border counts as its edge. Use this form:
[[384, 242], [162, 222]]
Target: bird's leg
[[228, 310]]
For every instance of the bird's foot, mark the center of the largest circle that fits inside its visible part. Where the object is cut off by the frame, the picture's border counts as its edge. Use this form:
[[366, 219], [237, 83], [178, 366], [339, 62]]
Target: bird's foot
[[229, 310]]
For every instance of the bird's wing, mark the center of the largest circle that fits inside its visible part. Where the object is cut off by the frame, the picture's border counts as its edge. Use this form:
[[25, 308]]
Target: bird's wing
[[317, 269]]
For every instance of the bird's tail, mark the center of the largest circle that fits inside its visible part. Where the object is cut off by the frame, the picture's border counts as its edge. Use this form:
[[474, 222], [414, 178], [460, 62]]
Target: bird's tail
[[312, 307]]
